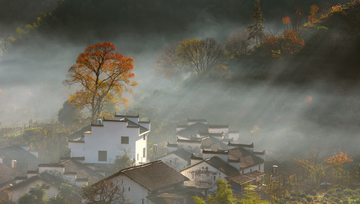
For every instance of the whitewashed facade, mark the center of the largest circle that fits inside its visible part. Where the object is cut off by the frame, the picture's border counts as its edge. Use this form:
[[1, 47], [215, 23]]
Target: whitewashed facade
[[110, 139]]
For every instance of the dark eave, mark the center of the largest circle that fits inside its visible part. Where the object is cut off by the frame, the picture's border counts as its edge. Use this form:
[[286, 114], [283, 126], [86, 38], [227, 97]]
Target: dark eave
[[241, 145], [224, 152], [127, 116]]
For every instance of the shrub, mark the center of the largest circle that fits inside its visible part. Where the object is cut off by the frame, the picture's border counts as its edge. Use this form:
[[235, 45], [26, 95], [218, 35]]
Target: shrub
[[348, 192], [331, 191], [345, 202], [326, 195], [293, 194], [352, 186], [302, 195], [293, 199], [313, 193], [309, 199]]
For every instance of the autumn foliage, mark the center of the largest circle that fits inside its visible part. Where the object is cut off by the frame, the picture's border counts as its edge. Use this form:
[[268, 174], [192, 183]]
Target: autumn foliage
[[338, 160], [287, 43], [103, 75], [313, 10]]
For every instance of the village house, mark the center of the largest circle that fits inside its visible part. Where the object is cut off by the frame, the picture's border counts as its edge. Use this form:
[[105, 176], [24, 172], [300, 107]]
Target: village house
[[72, 171], [110, 139], [19, 157], [197, 134], [178, 159], [153, 183], [240, 164]]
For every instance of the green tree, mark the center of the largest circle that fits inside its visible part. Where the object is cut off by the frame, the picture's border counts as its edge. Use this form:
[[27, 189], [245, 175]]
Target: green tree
[[68, 194], [256, 30], [122, 162], [224, 195], [36, 195], [68, 115]]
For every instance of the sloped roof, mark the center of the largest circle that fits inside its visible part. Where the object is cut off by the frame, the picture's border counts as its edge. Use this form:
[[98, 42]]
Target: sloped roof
[[7, 173], [79, 133], [219, 164], [135, 125], [206, 133], [152, 176], [213, 143], [181, 153], [241, 145], [192, 130], [219, 126], [48, 178], [16, 152], [82, 171], [241, 179], [127, 116], [247, 158]]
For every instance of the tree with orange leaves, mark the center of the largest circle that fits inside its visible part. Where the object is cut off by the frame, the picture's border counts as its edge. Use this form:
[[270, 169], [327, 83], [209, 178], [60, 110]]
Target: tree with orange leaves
[[287, 43], [286, 21], [338, 160], [103, 74], [313, 10]]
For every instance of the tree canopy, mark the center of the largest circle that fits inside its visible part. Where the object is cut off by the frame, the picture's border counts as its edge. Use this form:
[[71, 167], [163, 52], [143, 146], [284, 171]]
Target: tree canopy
[[103, 75]]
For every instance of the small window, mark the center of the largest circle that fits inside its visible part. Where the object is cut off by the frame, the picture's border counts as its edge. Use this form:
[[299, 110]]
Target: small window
[[102, 156], [144, 137], [137, 157], [124, 140], [214, 178], [250, 170], [129, 188], [143, 201], [259, 167], [144, 152]]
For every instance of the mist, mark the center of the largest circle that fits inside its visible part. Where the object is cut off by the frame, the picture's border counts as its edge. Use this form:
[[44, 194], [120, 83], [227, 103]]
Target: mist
[[293, 118]]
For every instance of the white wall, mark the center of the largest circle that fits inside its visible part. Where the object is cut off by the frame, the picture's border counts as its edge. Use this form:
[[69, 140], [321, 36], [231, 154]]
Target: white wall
[[253, 168], [191, 147], [224, 157], [106, 138], [202, 176], [219, 130], [140, 144], [136, 193], [16, 193], [175, 162], [57, 171]]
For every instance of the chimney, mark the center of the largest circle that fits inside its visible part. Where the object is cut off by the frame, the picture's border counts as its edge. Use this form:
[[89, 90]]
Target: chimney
[[275, 170], [155, 148], [13, 164], [99, 121]]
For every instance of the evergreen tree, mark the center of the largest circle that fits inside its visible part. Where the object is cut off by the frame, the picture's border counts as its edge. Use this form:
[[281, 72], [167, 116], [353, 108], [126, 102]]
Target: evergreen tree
[[257, 29]]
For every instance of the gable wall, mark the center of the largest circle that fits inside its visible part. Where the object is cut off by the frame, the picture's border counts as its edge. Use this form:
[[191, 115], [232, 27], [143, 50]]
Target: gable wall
[[15, 194], [175, 162], [202, 176], [253, 168], [137, 193], [219, 130], [106, 138]]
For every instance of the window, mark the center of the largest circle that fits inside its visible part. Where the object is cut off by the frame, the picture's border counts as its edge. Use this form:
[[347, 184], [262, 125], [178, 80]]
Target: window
[[214, 178], [138, 157], [250, 170], [102, 156], [144, 152], [124, 140], [129, 188], [144, 137], [260, 167], [242, 172], [143, 201]]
